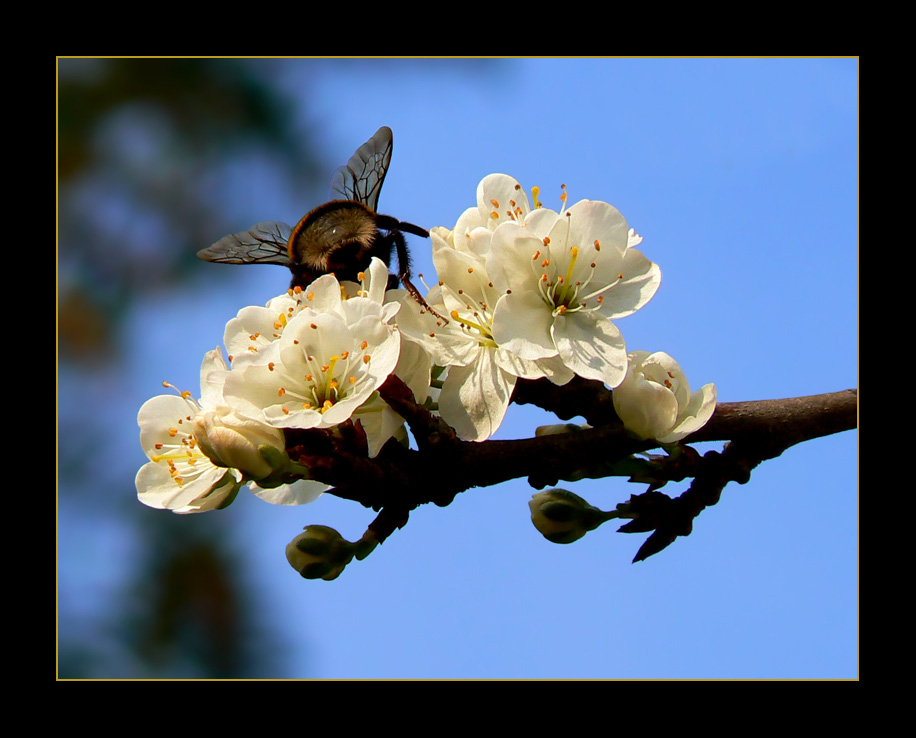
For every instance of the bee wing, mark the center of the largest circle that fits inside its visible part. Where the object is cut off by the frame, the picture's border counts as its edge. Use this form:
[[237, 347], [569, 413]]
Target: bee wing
[[265, 243], [362, 177]]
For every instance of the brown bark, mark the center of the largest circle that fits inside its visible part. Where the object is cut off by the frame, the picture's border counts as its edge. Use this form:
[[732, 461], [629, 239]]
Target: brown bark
[[399, 479]]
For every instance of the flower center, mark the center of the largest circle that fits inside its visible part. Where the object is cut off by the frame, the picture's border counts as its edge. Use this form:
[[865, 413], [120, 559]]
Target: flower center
[[326, 384], [183, 453], [476, 318], [564, 287]]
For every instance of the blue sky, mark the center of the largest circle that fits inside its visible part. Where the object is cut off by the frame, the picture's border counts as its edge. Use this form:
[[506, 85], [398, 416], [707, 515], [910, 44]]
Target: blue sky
[[742, 177]]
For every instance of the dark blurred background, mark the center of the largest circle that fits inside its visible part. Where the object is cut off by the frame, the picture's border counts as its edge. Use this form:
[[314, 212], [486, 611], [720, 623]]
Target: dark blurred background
[[142, 144]]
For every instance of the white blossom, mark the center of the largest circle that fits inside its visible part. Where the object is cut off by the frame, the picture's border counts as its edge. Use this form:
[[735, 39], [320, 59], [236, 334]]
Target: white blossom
[[563, 277], [327, 361], [378, 420], [179, 476], [201, 452], [528, 293], [481, 374], [655, 401], [255, 328]]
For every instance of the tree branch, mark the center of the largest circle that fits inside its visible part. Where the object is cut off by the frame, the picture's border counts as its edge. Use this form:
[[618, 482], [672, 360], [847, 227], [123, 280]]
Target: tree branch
[[400, 479], [445, 466]]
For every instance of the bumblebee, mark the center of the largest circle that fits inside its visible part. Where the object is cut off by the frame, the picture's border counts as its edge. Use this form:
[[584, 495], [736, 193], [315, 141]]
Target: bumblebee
[[339, 237]]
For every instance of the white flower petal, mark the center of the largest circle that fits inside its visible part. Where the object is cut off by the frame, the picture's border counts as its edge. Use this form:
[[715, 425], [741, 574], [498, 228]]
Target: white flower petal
[[252, 329], [522, 324], [519, 367], [325, 368], [555, 370], [646, 408], [470, 234], [640, 280], [654, 400], [695, 415], [323, 296], [160, 419], [514, 259], [376, 280], [213, 371], [300, 492], [591, 346], [593, 221], [541, 222], [198, 491], [501, 198], [474, 399]]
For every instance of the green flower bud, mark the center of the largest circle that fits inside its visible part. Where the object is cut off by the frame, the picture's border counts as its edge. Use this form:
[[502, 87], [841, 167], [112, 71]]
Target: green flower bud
[[563, 517], [560, 428], [319, 552]]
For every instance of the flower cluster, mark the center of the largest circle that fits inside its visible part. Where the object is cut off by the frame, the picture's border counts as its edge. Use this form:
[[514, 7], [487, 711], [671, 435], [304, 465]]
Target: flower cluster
[[309, 359], [523, 292], [201, 451], [531, 293]]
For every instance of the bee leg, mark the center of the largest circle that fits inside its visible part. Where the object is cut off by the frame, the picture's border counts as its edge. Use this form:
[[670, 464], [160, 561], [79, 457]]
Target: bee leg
[[404, 273], [415, 294], [414, 230]]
